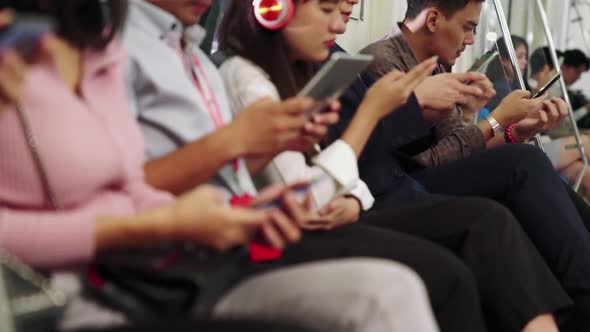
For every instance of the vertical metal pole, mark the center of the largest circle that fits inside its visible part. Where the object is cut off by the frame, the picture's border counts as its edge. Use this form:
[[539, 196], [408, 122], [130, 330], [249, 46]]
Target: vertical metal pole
[[572, 117], [512, 54]]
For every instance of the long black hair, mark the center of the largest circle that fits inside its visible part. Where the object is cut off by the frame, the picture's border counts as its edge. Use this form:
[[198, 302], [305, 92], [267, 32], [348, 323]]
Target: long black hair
[[495, 69], [83, 23]]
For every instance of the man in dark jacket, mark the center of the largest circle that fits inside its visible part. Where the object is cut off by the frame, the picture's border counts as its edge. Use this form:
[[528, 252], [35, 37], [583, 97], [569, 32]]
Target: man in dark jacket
[[516, 175]]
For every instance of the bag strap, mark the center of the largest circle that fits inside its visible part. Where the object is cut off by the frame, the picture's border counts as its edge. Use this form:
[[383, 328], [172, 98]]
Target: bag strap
[[33, 147]]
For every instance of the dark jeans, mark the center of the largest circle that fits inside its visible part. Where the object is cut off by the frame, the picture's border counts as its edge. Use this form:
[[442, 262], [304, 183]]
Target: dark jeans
[[495, 257], [523, 179], [581, 206]]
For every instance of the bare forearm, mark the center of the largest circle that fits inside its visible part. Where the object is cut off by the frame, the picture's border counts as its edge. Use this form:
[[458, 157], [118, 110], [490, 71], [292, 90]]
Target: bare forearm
[[194, 163], [113, 233]]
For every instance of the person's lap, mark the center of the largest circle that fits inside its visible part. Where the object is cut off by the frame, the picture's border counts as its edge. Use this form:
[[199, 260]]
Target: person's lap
[[348, 295], [522, 178], [420, 255], [488, 239]]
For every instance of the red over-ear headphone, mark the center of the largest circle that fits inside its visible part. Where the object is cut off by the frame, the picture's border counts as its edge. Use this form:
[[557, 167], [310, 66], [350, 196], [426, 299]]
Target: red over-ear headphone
[[273, 14]]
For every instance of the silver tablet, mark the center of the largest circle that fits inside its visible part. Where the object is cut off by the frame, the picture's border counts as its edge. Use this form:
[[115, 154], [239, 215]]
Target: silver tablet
[[335, 77]]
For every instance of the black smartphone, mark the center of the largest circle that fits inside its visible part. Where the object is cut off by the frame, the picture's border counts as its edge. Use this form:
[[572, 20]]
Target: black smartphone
[[25, 32], [547, 86]]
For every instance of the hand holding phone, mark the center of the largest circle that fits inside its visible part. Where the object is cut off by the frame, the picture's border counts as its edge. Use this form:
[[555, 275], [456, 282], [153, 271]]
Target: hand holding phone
[[547, 86], [19, 39], [286, 211], [273, 197]]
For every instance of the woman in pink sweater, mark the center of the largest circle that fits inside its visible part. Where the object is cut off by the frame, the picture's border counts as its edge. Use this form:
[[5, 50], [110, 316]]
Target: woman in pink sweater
[[92, 153]]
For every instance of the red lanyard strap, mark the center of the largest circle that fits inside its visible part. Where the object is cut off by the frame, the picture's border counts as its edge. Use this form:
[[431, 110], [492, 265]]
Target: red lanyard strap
[[207, 93], [209, 98]]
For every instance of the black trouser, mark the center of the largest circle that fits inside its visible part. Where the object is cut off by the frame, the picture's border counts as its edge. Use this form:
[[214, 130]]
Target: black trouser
[[581, 206], [523, 179], [515, 283]]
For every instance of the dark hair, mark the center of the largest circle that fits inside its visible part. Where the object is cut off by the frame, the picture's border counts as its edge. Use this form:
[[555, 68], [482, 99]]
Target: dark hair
[[241, 34], [495, 69], [82, 23], [576, 58], [448, 7], [540, 58]]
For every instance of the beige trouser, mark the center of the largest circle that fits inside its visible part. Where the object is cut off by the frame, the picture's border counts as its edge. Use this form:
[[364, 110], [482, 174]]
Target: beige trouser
[[348, 295]]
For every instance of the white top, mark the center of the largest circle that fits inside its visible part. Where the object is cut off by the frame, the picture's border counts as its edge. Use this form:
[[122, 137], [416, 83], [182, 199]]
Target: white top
[[246, 83]]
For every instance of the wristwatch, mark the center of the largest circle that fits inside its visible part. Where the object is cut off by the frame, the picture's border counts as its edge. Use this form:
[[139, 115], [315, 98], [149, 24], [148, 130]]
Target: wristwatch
[[496, 127]]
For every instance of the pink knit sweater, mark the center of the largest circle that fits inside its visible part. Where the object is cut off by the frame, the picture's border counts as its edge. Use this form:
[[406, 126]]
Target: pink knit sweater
[[93, 152]]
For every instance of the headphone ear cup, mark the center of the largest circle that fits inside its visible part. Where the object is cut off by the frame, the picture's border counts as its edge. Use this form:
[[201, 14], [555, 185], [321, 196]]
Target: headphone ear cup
[[273, 14]]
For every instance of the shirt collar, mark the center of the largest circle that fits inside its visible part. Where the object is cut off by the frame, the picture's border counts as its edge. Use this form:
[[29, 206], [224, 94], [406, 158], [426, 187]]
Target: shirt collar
[[407, 55], [400, 42], [158, 22]]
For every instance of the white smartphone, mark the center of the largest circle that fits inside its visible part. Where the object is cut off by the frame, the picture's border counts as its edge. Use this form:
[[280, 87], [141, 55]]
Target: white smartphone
[[330, 82], [299, 190]]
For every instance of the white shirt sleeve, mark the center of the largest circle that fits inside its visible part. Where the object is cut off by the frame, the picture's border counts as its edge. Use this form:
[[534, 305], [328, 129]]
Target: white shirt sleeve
[[247, 83], [363, 194]]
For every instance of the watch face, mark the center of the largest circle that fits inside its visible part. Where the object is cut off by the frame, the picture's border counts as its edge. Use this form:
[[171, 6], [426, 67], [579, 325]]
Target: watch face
[[498, 130]]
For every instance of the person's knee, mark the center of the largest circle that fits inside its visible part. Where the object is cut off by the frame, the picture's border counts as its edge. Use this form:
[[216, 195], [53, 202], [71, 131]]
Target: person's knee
[[379, 283], [340, 295], [527, 151], [390, 280], [527, 158], [496, 224], [490, 212], [453, 281], [387, 296], [485, 213]]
